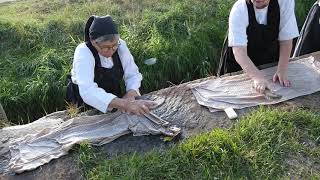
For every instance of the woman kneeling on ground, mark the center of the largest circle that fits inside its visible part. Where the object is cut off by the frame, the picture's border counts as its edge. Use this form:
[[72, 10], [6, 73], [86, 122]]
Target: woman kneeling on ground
[[99, 65]]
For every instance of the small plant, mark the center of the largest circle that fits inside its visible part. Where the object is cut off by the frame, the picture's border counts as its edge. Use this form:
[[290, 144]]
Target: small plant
[[73, 110], [87, 159]]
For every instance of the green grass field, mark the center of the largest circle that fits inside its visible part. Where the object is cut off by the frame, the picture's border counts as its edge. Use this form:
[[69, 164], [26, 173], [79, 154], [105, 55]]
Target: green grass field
[[38, 38], [266, 144]]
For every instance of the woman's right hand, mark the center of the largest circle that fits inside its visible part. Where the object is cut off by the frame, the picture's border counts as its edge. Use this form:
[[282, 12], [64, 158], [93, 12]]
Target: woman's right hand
[[137, 107]]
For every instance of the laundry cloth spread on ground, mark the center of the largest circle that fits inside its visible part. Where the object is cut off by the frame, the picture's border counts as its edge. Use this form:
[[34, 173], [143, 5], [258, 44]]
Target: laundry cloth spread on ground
[[34, 150], [236, 91]]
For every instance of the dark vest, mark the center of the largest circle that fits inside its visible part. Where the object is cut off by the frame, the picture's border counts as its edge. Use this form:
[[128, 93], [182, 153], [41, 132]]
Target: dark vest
[[108, 79], [263, 44]]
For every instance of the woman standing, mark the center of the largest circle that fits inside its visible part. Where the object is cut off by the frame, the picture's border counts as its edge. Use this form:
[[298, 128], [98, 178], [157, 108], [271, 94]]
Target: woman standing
[[260, 32]]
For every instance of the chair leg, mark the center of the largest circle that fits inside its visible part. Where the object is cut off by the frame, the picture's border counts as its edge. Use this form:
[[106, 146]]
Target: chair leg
[[3, 116]]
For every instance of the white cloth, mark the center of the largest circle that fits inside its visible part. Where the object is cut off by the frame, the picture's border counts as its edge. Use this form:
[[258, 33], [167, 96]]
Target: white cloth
[[239, 21], [36, 148], [236, 91], [83, 75]]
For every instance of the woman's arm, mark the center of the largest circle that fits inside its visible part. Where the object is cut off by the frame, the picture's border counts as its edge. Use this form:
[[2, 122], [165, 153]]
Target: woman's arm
[[282, 71], [242, 58]]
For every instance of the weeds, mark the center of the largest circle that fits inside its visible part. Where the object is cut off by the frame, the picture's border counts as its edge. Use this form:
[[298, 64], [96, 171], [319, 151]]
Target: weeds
[[73, 110]]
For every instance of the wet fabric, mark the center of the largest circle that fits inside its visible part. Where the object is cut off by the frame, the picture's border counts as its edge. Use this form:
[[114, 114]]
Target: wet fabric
[[263, 44], [309, 39], [237, 92], [37, 148]]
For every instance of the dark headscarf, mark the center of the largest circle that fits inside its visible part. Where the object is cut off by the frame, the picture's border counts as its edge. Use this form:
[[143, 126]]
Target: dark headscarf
[[99, 26]]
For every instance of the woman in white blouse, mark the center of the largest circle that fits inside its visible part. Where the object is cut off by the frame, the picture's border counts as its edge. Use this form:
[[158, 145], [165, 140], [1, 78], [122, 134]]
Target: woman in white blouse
[[260, 32], [99, 65]]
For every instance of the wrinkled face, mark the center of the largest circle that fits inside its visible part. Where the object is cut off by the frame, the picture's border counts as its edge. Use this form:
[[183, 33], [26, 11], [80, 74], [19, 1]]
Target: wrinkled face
[[259, 4], [106, 48]]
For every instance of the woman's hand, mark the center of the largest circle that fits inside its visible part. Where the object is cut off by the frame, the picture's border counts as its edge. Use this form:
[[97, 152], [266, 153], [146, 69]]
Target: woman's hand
[[138, 107], [130, 95], [282, 77], [260, 84]]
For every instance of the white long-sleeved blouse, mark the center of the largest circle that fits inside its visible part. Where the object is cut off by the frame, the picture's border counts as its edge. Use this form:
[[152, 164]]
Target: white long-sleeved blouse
[[82, 74]]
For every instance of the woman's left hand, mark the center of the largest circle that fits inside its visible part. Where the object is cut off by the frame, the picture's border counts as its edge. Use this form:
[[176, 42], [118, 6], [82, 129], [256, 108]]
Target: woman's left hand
[[282, 77]]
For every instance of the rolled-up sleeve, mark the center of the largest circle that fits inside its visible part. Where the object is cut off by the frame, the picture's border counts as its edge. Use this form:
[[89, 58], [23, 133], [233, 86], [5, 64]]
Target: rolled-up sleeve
[[83, 72], [132, 76]]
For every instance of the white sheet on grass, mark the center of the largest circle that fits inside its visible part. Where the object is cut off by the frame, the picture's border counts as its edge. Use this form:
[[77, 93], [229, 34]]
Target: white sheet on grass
[[237, 92], [38, 148]]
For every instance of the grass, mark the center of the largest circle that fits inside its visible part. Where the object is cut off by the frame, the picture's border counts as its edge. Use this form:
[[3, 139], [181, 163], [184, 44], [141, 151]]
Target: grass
[[38, 38], [259, 146]]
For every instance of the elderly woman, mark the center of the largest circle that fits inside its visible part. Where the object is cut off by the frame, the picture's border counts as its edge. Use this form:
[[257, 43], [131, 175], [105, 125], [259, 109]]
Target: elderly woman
[[99, 65], [260, 32]]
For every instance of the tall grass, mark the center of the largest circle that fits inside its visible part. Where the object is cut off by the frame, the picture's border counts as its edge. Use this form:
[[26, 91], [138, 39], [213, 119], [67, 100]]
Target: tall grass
[[38, 37]]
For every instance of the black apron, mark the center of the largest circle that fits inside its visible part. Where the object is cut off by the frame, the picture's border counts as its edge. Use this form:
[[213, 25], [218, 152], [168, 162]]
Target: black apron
[[108, 79], [309, 39], [263, 44]]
